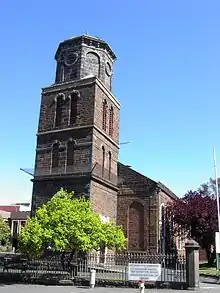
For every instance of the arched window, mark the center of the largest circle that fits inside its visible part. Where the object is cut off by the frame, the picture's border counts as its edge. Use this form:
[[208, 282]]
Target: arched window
[[59, 110], [55, 155], [109, 165], [163, 229], [136, 226], [111, 118], [73, 107], [92, 65], [103, 160], [104, 115], [70, 153]]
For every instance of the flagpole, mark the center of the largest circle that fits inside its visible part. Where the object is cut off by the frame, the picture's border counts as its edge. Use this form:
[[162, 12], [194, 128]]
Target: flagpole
[[217, 190]]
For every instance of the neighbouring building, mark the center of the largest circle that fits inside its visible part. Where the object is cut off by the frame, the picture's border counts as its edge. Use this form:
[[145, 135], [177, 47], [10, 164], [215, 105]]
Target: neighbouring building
[[78, 146], [16, 216]]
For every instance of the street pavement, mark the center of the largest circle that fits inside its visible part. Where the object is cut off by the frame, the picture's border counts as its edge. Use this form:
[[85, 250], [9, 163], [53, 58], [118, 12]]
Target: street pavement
[[204, 288]]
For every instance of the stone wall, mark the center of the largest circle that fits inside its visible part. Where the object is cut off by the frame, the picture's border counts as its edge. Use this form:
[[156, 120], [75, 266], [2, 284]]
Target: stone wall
[[101, 96], [44, 189], [104, 199], [136, 210], [139, 208], [85, 106], [82, 147], [84, 56], [88, 140]]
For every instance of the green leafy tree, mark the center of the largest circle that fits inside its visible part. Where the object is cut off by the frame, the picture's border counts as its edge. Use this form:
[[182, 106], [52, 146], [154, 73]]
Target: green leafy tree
[[65, 223], [4, 232]]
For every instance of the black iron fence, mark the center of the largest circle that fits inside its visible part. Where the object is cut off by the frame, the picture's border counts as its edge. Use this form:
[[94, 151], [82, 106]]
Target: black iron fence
[[111, 268], [18, 268]]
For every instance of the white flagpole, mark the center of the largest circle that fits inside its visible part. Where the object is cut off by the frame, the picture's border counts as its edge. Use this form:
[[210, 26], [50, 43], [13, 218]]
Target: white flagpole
[[217, 191]]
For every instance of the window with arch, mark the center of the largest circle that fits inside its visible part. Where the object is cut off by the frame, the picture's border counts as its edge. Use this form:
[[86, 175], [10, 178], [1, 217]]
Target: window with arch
[[73, 107], [136, 226], [103, 160], [92, 64], [104, 115], [70, 153], [55, 155], [111, 118], [59, 110], [163, 227], [109, 165]]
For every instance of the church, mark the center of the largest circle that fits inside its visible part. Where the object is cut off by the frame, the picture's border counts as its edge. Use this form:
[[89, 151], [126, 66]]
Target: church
[[78, 146]]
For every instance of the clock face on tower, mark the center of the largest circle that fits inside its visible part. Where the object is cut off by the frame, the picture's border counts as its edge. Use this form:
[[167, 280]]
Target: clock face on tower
[[70, 58], [108, 69]]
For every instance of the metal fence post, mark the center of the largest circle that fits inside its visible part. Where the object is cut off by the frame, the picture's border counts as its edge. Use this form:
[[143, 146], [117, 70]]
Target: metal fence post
[[192, 264]]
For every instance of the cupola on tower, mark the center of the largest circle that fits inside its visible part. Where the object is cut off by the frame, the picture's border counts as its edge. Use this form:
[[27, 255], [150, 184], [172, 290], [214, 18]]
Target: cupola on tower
[[78, 131], [84, 56]]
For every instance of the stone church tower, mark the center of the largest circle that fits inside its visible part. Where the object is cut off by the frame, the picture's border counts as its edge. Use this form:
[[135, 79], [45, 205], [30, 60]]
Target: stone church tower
[[78, 132]]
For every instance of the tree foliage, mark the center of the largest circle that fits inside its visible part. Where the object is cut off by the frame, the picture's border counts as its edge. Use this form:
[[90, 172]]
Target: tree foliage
[[68, 224], [4, 232], [196, 212]]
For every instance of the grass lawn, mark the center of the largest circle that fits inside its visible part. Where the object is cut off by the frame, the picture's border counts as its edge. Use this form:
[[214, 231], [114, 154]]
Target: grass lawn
[[205, 269]]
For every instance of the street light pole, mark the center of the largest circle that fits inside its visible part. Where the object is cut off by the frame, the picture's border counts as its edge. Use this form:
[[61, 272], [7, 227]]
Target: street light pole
[[217, 235], [217, 190]]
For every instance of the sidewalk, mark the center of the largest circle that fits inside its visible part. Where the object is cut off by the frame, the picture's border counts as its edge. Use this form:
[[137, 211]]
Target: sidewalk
[[205, 288]]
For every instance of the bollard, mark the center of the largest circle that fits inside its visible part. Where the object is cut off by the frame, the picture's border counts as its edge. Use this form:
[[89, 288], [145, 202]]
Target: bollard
[[92, 278], [141, 287]]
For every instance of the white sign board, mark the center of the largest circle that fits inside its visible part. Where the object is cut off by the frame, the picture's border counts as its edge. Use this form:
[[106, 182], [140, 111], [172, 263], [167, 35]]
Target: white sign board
[[217, 242], [143, 271]]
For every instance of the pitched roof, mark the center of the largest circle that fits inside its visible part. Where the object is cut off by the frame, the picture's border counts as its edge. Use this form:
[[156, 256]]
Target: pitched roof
[[10, 208], [5, 214], [20, 215], [144, 179]]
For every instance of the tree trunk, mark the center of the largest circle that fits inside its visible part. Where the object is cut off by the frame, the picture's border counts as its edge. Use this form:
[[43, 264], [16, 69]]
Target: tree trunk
[[63, 260], [210, 255]]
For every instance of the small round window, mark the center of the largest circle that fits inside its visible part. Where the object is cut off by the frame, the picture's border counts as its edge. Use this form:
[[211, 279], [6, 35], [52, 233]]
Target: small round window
[[71, 58]]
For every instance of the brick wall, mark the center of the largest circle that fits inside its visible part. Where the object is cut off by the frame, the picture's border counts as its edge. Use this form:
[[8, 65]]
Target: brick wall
[[102, 95], [88, 142], [85, 106], [43, 190], [137, 202], [82, 148], [104, 199]]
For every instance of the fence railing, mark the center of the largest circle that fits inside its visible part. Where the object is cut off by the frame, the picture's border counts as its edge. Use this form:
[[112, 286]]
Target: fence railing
[[97, 170], [109, 267], [115, 266], [73, 169]]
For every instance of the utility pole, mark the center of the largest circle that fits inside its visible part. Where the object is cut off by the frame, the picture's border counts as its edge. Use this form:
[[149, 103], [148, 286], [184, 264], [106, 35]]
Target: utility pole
[[217, 234], [217, 190]]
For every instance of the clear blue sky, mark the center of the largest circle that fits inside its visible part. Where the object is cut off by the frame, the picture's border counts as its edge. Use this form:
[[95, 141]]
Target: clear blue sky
[[167, 78]]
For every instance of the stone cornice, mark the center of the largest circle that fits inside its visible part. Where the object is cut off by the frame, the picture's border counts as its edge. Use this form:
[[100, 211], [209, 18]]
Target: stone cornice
[[55, 88], [64, 129], [77, 128], [104, 182], [68, 85], [90, 41]]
